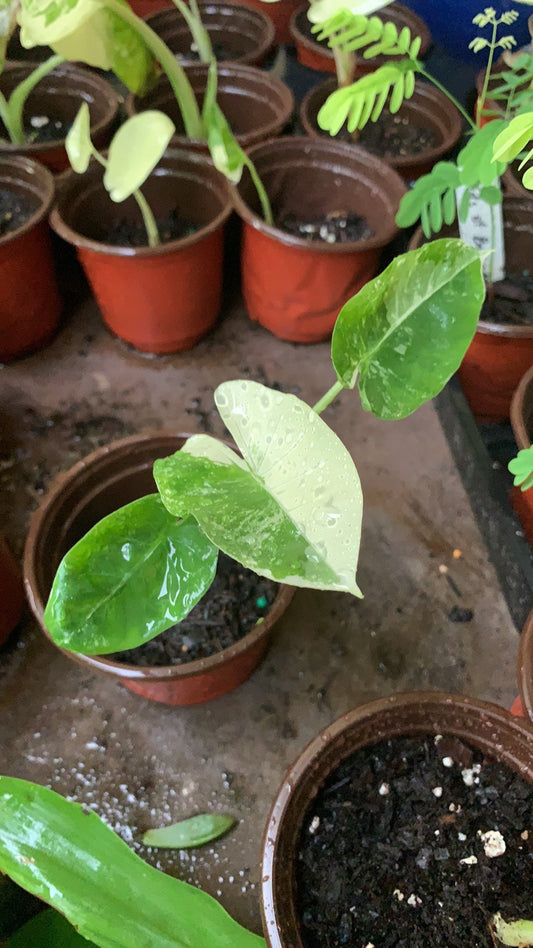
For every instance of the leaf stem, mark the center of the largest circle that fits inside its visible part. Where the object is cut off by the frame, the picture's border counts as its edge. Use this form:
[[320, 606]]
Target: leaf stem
[[327, 399], [17, 100], [199, 33], [148, 219], [263, 196], [483, 96], [420, 69]]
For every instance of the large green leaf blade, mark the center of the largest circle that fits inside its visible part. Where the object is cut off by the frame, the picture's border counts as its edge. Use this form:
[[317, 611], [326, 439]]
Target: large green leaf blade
[[406, 332], [291, 510], [48, 930], [72, 860], [133, 575]]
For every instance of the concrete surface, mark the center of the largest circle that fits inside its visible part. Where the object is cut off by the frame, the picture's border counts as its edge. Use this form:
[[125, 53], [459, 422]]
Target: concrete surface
[[142, 765]]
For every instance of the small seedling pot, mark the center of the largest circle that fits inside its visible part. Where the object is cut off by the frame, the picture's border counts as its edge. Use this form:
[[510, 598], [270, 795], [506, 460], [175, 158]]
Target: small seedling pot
[[525, 668], [243, 35], [58, 97], [427, 108], [486, 727], [294, 287], [319, 56], [499, 354], [30, 306], [522, 425], [11, 591], [162, 299], [96, 486], [256, 105]]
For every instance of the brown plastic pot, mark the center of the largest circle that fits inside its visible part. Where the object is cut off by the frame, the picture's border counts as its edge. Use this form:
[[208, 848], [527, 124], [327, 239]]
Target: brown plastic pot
[[428, 108], [525, 667], [291, 286], [244, 35], [256, 104], [145, 8], [162, 299], [512, 181], [96, 486], [521, 414], [30, 306], [58, 97], [11, 591], [319, 56], [499, 355], [487, 727]]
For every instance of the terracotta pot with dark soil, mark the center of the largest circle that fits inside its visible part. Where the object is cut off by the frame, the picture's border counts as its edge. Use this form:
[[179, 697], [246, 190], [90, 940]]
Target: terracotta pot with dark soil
[[159, 299], [30, 306], [502, 348], [11, 591], [202, 658], [256, 104], [423, 131], [407, 821], [237, 33], [334, 208], [318, 55], [57, 99], [522, 424]]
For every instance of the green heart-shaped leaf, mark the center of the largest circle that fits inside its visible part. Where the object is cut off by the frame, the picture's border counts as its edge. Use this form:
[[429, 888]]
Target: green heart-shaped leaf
[[406, 332], [134, 152], [291, 510], [136, 573]]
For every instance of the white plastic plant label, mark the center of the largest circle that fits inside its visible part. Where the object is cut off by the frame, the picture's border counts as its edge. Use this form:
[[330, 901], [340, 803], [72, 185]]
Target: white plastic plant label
[[483, 229]]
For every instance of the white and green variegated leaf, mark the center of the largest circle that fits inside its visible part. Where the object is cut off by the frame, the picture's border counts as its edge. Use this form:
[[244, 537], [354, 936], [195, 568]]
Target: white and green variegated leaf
[[135, 151], [290, 508], [365, 99], [406, 332], [78, 143]]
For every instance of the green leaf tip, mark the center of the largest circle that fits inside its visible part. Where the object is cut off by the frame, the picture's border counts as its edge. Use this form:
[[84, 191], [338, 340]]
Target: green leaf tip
[[522, 468], [188, 834]]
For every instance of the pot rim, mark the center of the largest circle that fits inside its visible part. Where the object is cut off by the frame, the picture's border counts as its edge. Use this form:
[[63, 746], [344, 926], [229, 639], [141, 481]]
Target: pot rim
[[101, 663], [517, 413], [197, 163], [44, 180], [89, 79], [331, 152], [433, 703], [525, 666]]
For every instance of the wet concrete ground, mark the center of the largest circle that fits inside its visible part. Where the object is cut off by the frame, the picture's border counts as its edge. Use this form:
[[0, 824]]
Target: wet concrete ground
[[422, 559]]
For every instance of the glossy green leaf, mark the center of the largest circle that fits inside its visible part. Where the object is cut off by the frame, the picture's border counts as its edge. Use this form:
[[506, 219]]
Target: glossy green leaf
[[136, 573], [69, 858], [86, 31], [406, 332], [514, 138], [48, 930], [135, 151], [78, 141], [187, 834], [475, 161], [522, 468], [290, 508]]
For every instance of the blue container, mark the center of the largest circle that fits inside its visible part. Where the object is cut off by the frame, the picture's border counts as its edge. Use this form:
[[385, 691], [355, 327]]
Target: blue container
[[450, 22]]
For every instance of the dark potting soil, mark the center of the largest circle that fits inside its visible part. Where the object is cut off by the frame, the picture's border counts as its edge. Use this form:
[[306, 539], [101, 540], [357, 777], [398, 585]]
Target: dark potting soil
[[334, 228], [394, 135], [512, 302], [412, 843], [223, 53], [237, 600], [127, 233], [14, 211], [42, 128]]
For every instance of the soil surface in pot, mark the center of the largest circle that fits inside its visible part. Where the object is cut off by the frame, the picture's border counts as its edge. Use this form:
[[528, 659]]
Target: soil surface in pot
[[512, 302], [415, 842], [42, 129], [334, 228], [236, 601], [394, 135], [128, 233], [223, 53], [14, 211]]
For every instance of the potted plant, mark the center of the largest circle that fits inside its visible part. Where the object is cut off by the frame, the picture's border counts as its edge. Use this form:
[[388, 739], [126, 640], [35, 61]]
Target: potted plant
[[250, 507]]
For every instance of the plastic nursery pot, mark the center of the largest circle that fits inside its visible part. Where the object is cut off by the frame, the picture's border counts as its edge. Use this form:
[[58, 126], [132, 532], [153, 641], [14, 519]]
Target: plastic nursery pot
[[499, 354], [292, 286], [483, 726], [525, 667], [522, 424], [145, 8], [256, 104], [237, 33], [96, 486], [428, 108], [512, 181], [11, 591], [30, 306], [319, 56], [279, 14], [161, 299], [58, 97]]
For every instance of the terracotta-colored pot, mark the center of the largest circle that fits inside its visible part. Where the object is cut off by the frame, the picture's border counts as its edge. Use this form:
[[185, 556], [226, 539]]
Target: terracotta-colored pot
[[96, 486], [525, 668], [242, 34], [11, 591], [161, 299], [319, 56], [484, 726], [522, 423], [145, 8], [256, 104], [58, 97], [30, 306], [428, 108], [498, 355], [294, 287]]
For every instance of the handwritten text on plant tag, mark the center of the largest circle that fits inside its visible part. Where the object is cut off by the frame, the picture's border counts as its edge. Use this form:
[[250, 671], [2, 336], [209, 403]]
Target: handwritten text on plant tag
[[483, 228]]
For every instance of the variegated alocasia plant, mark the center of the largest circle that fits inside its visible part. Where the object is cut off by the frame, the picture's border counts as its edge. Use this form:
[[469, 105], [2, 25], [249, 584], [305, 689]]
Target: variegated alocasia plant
[[290, 506]]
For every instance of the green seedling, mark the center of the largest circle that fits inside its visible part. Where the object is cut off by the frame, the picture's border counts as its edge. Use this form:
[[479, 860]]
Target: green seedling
[[188, 834], [513, 142], [517, 934], [522, 469], [136, 148]]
